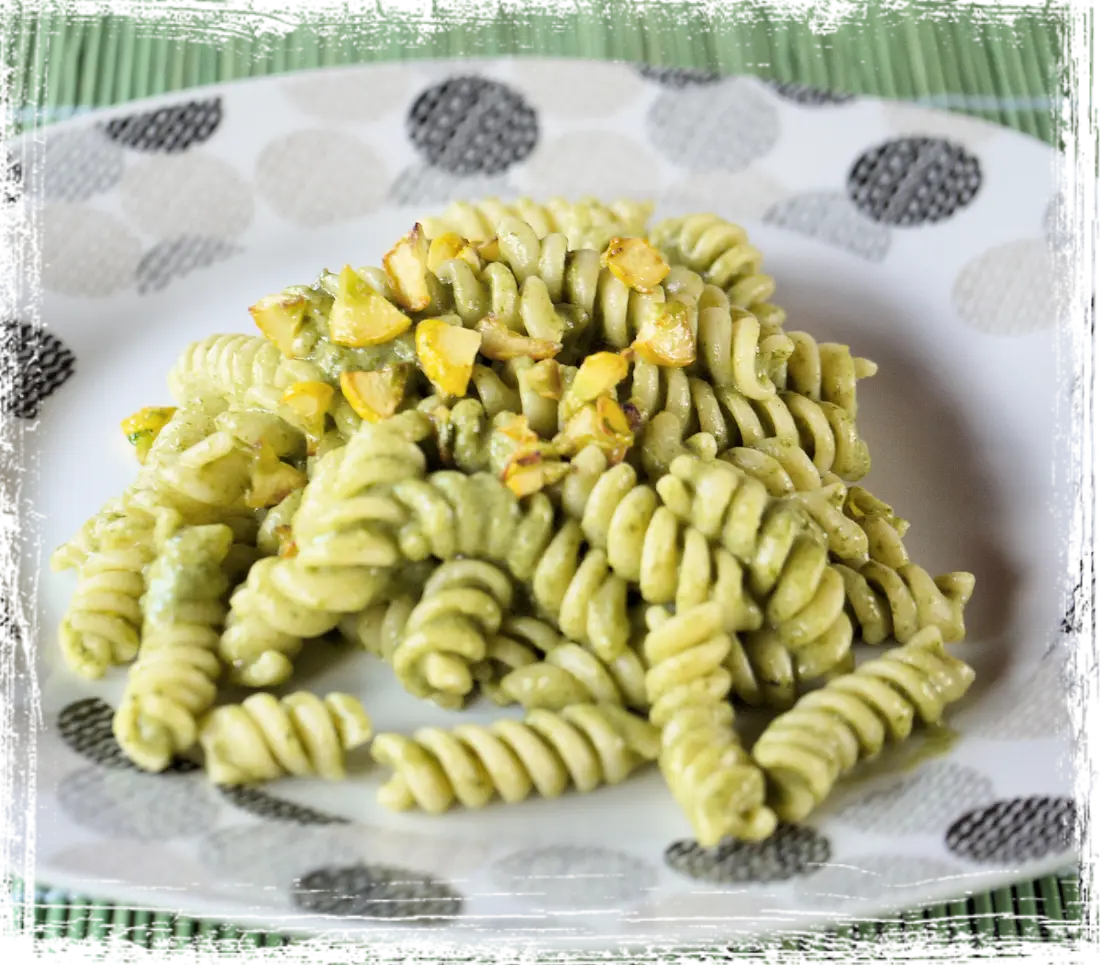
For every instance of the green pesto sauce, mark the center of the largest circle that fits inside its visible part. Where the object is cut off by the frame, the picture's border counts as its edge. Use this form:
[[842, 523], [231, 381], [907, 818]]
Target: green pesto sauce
[[188, 569]]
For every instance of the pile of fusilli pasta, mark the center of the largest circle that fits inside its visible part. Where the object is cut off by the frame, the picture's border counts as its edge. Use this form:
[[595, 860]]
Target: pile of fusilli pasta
[[544, 455]]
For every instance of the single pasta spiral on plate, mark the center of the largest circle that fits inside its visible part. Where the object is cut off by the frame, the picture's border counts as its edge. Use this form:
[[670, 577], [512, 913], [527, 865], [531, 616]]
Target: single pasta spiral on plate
[[583, 746], [828, 731], [711, 776], [264, 738], [174, 680], [572, 674]]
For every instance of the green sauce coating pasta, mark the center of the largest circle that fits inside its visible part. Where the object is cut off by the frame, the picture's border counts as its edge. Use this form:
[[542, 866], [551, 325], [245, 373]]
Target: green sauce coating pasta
[[720, 251], [711, 776], [571, 674], [342, 531], [583, 746], [521, 642], [174, 680], [806, 750], [264, 738]]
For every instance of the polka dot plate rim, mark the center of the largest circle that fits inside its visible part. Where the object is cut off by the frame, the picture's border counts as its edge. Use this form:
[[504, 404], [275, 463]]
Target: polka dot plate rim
[[947, 242]]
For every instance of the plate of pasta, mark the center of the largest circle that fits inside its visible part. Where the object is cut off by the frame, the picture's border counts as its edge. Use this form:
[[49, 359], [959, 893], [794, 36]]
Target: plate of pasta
[[547, 500]]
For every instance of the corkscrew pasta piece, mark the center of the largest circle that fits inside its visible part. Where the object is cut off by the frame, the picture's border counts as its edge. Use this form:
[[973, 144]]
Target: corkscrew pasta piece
[[586, 223], [521, 642], [712, 777], [264, 738], [807, 749], [720, 251], [102, 625], [378, 627], [571, 674], [174, 680], [344, 546], [462, 606], [897, 604], [583, 746], [824, 372]]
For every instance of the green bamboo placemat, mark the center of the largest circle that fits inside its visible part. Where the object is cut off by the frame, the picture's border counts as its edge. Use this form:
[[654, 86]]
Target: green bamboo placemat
[[1005, 67]]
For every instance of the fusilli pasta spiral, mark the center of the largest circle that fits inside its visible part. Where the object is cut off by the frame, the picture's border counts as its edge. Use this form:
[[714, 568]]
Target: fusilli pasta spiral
[[174, 680], [584, 745], [264, 738], [570, 674], [711, 776], [825, 734]]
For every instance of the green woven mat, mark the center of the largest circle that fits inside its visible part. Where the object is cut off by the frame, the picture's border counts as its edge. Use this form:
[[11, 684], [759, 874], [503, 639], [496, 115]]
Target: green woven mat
[[1004, 66]]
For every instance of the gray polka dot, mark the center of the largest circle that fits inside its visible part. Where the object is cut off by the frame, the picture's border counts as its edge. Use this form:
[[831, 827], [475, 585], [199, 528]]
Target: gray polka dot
[[600, 163], [274, 855], [1071, 222], [349, 94], [1088, 507], [912, 181], [377, 891], [1009, 290], [1080, 671], [11, 662], [433, 186], [178, 257], [31, 756], [1013, 831], [79, 164], [793, 850], [42, 364], [144, 807], [872, 877], [1085, 747], [925, 801], [580, 89], [272, 808], [809, 96], [86, 252], [319, 177], [1085, 391], [1034, 710], [740, 195], [831, 218], [575, 877], [721, 126], [677, 78], [186, 194]]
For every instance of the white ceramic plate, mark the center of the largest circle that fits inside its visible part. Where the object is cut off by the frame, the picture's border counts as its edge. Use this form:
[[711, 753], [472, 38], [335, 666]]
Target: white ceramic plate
[[922, 239]]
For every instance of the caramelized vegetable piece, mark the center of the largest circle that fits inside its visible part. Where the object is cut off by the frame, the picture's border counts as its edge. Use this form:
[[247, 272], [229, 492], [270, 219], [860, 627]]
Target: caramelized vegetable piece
[[272, 479], [143, 427], [635, 262], [602, 424], [665, 337], [447, 354], [599, 374], [544, 378], [524, 479], [449, 246], [280, 317], [308, 403], [376, 395], [360, 316], [406, 265], [500, 343]]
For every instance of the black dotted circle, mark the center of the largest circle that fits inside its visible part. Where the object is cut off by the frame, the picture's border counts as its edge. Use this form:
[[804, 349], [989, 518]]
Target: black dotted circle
[[1082, 617], [809, 96], [792, 852], [678, 77], [85, 726], [11, 183], [1090, 318], [8, 628], [377, 891], [40, 364], [1022, 829], [168, 129], [914, 180], [1080, 672], [271, 808], [470, 125]]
